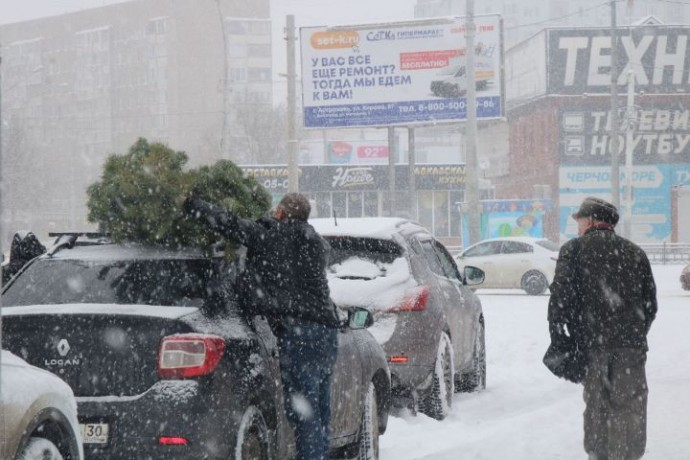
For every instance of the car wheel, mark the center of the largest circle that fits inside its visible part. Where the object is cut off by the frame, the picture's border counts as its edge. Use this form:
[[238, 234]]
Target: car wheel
[[40, 449], [476, 379], [252, 436], [369, 429], [534, 283], [438, 401]]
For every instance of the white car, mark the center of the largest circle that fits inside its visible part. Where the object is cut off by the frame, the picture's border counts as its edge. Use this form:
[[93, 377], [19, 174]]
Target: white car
[[38, 414], [513, 262]]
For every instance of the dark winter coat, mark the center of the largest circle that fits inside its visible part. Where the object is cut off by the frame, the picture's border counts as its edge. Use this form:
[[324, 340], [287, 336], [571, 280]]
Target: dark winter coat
[[285, 271], [604, 290]]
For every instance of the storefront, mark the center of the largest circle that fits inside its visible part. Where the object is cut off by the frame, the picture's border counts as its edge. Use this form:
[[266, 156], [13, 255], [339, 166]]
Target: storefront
[[363, 191]]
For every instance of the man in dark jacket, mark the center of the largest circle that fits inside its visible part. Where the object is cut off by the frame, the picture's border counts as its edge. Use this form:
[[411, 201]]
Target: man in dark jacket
[[285, 280], [604, 296]]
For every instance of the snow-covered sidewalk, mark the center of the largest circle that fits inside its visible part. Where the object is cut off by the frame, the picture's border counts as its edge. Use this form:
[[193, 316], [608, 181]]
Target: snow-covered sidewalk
[[527, 413]]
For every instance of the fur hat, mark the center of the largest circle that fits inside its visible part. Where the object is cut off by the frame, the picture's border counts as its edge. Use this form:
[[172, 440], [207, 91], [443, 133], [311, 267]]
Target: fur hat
[[598, 209]]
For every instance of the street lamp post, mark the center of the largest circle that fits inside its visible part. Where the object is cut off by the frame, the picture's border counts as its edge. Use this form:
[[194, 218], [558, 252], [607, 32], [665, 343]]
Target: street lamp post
[[629, 118]]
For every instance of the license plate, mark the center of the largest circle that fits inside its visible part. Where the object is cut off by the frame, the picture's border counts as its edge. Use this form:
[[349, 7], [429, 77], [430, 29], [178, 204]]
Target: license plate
[[94, 433]]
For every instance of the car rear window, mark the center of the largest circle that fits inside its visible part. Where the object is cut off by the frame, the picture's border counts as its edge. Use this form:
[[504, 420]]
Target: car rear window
[[368, 272], [375, 250], [550, 245], [165, 282]]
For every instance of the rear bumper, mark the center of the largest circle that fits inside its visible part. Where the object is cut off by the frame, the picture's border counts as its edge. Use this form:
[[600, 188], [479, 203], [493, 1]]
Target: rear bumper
[[169, 408], [420, 350]]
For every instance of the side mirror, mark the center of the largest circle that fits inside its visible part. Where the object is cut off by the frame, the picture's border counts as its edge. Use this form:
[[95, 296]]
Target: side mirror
[[473, 276], [359, 318]]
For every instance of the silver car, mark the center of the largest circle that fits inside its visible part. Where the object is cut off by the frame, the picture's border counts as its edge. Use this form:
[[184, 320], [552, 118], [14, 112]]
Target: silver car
[[38, 414], [429, 323]]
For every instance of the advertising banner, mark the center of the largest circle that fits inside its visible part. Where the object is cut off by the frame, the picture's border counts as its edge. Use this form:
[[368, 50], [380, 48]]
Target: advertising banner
[[514, 217], [651, 209], [660, 135], [579, 60], [398, 73], [335, 178]]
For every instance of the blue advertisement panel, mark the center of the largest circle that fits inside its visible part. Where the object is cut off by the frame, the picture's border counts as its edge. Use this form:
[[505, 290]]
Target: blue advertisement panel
[[399, 73], [405, 112], [500, 218], [651, 207]]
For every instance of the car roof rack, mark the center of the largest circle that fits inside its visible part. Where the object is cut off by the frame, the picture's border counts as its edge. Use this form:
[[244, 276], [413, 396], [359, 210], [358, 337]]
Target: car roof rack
[[70, 239]]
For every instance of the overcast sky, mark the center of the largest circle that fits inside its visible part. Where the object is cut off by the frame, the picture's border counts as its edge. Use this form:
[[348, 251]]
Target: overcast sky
[[307, 13]]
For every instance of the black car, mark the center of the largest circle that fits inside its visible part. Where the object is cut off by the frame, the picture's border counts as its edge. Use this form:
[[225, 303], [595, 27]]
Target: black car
[[165, 365]]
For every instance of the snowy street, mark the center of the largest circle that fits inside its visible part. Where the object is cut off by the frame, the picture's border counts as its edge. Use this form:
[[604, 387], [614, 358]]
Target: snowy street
[[527, 413]]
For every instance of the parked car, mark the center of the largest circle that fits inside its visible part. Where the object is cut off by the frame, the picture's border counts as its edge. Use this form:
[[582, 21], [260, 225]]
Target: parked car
[[517, 262], [165, 365], [38, 414], [685, 278], [429, 323]]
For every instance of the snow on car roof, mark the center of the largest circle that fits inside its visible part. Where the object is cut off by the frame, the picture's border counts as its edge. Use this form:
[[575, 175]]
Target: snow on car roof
[[169, 312], [370, 227], [123, 252], [524, 239]]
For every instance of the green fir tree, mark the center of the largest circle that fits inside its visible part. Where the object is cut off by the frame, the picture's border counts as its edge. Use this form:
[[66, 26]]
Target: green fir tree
[[138, 196]]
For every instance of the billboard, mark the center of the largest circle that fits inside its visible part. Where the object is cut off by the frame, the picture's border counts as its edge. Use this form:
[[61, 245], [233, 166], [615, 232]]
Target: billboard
[[579, 60], [651, 207], [660, 135], [399, 73]]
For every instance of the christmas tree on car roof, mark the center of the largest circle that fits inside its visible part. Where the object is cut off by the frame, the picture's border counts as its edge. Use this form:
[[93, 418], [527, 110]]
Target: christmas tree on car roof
[[137, 198]]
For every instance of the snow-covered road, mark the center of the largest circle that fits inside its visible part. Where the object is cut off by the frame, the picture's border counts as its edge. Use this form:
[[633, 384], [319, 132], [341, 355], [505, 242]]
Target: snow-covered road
[[527, 413]]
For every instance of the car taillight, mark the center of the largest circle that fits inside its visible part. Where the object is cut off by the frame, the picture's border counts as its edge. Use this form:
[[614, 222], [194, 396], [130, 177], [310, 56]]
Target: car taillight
[[172, 441], [183, 356], [415, 299]]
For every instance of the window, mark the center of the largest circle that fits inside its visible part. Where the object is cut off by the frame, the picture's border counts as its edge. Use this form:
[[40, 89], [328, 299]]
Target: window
[[323, 204], [371, 204], [516, 247], [484, 249], [550, 245], [432, 259], [259, 50], [260, 27], [446, 261], [258, 74], [157, 26], [237, 51], [238, 74], [354, 204], [236, 27], [339, 204]]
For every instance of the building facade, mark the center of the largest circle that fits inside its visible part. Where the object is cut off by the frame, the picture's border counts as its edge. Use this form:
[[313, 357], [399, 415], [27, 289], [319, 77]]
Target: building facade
[[560, 124], [81, 86]]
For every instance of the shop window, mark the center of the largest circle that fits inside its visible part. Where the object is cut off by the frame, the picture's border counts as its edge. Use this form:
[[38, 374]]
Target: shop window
[[425, 204], [441, 224], [456, 198], [323, 204], [338, 202], [371, 204], [354, 204]]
